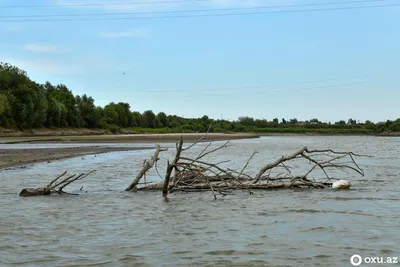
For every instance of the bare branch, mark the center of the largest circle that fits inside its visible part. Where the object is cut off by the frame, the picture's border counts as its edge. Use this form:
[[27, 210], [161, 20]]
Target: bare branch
[[199, 140], [148, 164], [214, 150], [171, 167], [247, 163], [277, 162], [55, 179], [54, 187]]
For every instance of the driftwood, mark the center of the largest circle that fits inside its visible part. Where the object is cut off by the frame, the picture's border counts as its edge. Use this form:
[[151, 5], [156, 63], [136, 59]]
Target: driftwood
[[55, 186], [172, 166], [196, 174], [147, 165]]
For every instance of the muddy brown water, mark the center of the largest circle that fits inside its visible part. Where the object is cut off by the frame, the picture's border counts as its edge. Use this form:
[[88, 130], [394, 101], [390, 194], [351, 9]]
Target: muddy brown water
[[104, 226]]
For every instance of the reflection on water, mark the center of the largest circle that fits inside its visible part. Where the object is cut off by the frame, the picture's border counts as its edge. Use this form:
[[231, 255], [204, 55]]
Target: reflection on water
[[105, 226]]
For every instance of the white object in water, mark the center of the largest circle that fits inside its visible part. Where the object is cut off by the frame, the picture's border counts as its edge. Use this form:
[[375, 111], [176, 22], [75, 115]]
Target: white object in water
[[341, 184]]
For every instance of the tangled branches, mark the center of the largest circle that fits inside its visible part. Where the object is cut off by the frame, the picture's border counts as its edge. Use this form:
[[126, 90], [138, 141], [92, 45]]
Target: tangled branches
[[194, 174]]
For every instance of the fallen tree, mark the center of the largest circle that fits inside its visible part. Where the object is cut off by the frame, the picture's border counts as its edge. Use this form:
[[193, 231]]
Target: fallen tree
[[195, 174], [188, 173], [55, 186]]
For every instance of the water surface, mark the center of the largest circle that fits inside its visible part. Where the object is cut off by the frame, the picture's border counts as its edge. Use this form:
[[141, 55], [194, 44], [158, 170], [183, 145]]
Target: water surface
[[105, 226]]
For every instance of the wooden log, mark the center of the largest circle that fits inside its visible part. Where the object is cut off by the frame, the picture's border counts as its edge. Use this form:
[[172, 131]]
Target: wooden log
[[147, 166], [53, 187], [171, 167], [31, 192]]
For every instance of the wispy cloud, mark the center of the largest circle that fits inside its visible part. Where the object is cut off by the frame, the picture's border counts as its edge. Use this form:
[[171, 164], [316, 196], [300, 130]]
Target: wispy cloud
[[116, 5], [135, 33], [71, 65], [40, 48], [250, 3], [42, 66], [236, 3]]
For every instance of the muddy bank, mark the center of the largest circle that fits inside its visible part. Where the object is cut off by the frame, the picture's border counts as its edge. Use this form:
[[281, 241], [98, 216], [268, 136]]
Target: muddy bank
[[10, 158], [128, 138], [19, 157], [389, 134]]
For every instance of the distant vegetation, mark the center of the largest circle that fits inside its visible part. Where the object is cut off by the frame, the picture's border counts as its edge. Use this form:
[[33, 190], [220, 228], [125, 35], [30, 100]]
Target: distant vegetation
[[25, 104]]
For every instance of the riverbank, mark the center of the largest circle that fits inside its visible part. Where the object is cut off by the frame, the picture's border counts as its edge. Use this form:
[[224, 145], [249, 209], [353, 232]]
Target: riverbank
[[125, 138], [140, 133], [19, 157], [10, 158], [394, 134]]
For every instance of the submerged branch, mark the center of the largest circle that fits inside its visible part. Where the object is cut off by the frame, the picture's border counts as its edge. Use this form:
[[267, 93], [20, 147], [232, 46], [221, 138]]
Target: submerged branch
[[196, 174], [54, 187]]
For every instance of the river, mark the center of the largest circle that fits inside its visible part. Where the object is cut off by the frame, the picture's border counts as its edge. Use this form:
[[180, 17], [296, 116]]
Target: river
[[105, 226]]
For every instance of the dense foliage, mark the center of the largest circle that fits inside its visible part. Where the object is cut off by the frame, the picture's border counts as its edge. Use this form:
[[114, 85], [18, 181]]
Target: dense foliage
[[25, 104]]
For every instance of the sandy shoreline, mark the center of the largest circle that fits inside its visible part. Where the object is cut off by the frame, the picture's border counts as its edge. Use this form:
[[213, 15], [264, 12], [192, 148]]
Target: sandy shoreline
[[10, 158], [128, 138]]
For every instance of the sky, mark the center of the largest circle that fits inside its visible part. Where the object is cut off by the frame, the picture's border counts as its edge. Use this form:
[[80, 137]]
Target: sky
[[332, 63]]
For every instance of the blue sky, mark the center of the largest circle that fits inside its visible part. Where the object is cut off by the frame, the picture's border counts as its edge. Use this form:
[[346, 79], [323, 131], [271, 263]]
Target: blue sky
[[330, 65]]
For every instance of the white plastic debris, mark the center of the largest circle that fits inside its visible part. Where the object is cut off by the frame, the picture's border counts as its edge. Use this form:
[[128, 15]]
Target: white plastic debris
[[341, 184]]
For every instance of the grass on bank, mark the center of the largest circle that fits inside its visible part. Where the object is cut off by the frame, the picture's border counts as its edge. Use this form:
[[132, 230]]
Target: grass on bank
[[249, 130]]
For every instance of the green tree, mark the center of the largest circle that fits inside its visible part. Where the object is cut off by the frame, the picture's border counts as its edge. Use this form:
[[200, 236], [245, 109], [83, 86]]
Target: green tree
[[246, 121], [351, 121], [4, 110], [86, 113], [63, 95], [261, 123], [163, 119], [149, 118], [138, 119], [157, 122], [110, 114]]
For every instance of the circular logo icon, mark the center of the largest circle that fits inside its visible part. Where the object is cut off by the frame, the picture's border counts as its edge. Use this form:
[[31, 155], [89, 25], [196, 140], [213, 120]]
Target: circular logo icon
[[356, 260]]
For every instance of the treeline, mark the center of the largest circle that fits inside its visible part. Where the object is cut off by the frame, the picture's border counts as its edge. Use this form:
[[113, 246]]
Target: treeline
[[25, 104]]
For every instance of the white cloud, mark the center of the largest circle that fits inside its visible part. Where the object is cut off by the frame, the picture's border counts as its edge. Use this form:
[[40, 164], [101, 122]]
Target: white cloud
[[118, 6], [41, 48], [135, 33], [237, 3], [41, 66], [115, 5], [250, 3]]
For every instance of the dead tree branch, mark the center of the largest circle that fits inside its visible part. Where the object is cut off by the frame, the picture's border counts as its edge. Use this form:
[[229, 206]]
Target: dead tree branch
[[199, 140], [312, 156], [148, 164], [171, 166], [195, 174], [54, 187]]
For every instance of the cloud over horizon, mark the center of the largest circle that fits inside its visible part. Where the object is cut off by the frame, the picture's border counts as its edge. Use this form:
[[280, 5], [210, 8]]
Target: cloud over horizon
[[119, 6]]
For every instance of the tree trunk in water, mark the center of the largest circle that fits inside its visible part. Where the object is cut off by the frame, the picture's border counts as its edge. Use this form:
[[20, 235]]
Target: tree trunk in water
[[171, 167], [31, 192]]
